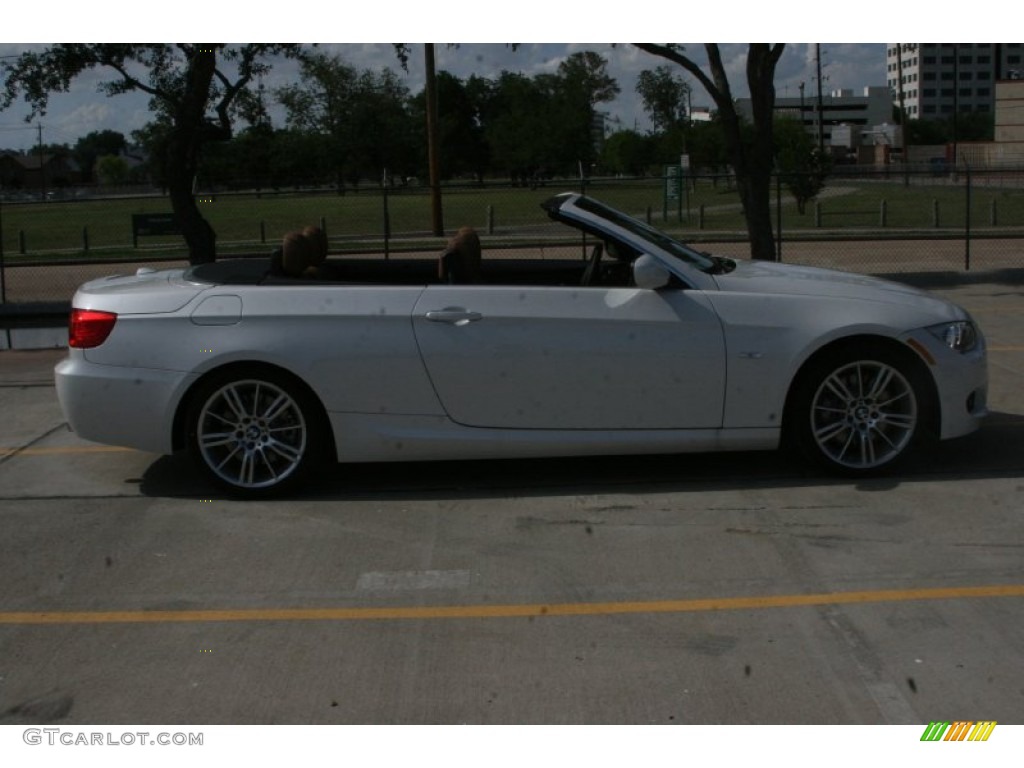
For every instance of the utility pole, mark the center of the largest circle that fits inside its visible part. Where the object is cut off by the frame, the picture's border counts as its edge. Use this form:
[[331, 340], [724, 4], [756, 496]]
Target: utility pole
[[42, 166], [433, 149], [956, 97], [821, 105]]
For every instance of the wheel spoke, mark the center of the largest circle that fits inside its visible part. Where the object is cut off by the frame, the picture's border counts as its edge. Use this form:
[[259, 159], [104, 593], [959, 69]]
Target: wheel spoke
[[839, 389], [214, 415], [228, 458], [829, 409], [288, 452], [269, 463], [827, 432], [881, 434], [867, 449], [904, 421], [214, 439], [276, 408], [895, 399], [234, 401], [881, 382]]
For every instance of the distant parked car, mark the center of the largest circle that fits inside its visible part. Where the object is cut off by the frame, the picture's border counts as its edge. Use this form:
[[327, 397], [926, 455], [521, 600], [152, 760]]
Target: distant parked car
[[645, 346]]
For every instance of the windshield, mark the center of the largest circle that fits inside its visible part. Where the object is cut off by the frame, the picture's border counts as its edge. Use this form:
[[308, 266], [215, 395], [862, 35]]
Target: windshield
[[649, 234]]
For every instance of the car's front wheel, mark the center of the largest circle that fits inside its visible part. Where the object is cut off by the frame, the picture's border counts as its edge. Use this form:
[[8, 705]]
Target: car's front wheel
[[861, 411], [254, 433]]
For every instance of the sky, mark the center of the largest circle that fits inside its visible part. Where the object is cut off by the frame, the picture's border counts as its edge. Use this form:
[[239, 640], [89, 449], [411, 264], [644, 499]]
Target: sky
[[845, 65]]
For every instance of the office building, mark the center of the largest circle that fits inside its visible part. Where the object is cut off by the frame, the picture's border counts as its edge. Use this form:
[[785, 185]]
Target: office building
[[942, 78]]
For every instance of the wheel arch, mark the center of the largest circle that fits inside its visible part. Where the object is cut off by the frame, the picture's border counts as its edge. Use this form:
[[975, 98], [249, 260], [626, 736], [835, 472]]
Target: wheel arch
[[933, 416], [249, 367]]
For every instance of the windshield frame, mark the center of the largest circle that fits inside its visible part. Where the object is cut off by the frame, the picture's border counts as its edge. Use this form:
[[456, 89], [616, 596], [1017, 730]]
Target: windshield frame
[[646, 233]]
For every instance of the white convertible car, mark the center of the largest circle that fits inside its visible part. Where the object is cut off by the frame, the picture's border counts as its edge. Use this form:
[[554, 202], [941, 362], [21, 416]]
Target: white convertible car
[[647, 346]]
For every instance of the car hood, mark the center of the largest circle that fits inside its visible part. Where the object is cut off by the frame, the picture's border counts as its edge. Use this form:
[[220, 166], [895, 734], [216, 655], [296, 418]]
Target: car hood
[[790, 279]]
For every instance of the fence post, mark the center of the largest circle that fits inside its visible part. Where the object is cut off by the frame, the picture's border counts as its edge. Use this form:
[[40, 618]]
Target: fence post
[[85, 238], [263, 232], [817, 214], [323, 227], [21, 241], [648, 214], [3, 277], [994, 214], [387, 221], [778, 216], [490, 219], [967, 218], [882, 215], [700, 218], [935, 213]]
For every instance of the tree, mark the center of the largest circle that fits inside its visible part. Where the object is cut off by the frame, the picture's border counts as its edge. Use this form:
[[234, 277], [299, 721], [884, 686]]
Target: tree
[[752, 162], [95, 145], [970, 126], [111, 170], [360, 117], [460, 131], [664, 96], [586, 73], [320, 104], [193, 88], [382, 136], [517, 128], [801, 164], [582, 82], [626, 152], [705, 142]]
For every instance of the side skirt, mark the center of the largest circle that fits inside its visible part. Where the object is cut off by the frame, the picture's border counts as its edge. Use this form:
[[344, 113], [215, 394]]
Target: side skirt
[[368, 437]]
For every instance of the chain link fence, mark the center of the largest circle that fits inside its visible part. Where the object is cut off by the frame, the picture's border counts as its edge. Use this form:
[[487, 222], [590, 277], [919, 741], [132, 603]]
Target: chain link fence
[[894, 221]]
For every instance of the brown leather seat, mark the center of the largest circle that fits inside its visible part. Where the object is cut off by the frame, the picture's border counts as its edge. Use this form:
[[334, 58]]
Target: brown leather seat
[[460, 262]]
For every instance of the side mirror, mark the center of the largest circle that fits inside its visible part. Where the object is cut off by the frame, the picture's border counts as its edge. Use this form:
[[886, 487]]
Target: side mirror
[[649, 273]]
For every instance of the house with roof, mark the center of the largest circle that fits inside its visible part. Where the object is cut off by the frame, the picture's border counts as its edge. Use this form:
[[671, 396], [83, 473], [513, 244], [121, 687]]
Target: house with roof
[[32, 172]]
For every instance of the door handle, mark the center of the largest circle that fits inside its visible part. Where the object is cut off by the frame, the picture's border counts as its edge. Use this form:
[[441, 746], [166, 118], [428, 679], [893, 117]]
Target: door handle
[[453, 316]]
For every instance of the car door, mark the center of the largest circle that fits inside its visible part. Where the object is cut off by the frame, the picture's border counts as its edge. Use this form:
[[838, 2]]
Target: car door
[[573, 358]]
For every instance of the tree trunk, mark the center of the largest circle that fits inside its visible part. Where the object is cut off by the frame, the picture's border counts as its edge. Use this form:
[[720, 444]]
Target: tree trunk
[[198, 234], [761, 62], [752, 164], [190, 131], [755, 194]]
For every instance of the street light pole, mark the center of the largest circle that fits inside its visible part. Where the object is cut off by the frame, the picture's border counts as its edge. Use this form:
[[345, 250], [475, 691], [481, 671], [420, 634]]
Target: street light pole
[[433, 150]]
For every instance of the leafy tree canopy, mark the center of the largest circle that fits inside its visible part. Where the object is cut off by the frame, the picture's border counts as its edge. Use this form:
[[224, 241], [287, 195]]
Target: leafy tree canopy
[[193, 89]]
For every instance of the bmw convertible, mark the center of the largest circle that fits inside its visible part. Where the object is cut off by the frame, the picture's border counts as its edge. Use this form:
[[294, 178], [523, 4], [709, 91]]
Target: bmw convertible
[[639, 344]]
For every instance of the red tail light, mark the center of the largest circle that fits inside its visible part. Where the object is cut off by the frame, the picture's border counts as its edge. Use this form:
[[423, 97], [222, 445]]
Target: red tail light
[[89, 327]]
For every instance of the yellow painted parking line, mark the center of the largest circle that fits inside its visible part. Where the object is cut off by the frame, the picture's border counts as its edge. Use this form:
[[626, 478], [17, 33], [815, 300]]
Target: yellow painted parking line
[[58, 450], [1006, 349], [509, 611]]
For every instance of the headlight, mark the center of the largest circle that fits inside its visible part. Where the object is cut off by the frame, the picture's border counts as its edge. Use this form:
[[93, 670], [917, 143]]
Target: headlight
[[959, 336]]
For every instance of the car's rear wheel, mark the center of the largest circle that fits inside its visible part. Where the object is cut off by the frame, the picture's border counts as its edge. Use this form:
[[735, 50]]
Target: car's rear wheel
[[255, 433], [861, 411]]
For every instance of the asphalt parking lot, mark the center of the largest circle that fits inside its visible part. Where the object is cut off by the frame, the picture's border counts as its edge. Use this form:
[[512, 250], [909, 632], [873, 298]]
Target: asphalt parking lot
[[730, 588]]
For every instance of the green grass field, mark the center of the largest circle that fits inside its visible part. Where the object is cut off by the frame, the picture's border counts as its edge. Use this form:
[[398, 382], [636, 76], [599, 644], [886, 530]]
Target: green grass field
[[356, 220]]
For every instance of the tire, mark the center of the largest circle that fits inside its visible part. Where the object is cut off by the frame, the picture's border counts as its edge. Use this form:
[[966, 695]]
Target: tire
[[255, 433], [861, 410]]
